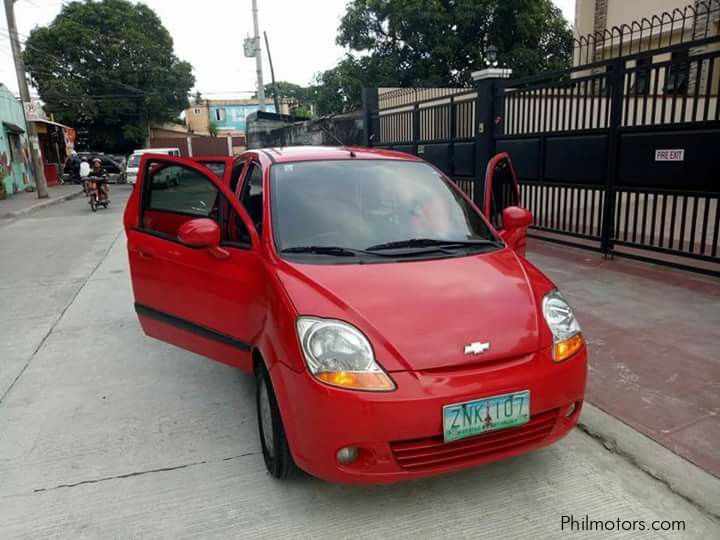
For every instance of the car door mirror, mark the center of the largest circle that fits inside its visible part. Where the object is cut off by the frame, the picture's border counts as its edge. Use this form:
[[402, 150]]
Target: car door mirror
[[202, 233], [514, 217]]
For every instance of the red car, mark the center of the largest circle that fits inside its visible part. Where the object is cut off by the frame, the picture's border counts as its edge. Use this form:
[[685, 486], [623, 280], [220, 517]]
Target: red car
[[394, 331]]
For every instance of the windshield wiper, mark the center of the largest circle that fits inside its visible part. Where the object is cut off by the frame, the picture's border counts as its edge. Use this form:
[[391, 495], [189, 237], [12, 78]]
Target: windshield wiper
[[335, 251], [433, 242]]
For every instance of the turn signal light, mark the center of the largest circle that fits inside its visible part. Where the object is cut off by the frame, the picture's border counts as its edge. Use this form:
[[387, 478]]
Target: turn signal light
[[565, 349], [357, 380]]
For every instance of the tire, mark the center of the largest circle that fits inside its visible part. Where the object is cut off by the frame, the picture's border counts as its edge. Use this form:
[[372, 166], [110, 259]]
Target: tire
[[93, 204], [275, 449]]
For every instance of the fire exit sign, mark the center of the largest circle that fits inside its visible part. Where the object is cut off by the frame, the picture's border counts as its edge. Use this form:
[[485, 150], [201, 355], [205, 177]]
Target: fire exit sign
[[670, 155]]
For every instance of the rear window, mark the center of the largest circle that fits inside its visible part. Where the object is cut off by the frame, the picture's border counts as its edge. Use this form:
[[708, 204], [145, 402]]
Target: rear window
[[134, 161]]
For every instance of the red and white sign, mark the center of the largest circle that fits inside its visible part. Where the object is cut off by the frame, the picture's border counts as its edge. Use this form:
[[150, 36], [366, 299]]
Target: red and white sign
[[670, 155]]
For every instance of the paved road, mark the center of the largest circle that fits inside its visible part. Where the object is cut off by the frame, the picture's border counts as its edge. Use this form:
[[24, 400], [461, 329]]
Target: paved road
[[107, 434]]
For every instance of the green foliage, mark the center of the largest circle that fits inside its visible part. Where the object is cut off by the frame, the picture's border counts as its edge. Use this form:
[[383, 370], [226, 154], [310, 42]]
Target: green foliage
[[427, 43], [108, 67], [287, 90], [300, 97], [213, 128], [302, 111]]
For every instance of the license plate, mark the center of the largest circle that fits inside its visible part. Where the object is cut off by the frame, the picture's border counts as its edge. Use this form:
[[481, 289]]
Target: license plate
[[462, 420]]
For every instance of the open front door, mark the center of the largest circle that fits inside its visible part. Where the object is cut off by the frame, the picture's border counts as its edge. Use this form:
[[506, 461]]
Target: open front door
[[194, 261], [221, 166], [503, 191]]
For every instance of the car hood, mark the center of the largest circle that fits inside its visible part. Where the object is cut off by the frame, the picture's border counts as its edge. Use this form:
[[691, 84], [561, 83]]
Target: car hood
[[420, 315]]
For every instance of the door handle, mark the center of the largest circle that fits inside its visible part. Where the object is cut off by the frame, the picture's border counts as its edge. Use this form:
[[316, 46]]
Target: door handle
[[144, 253]]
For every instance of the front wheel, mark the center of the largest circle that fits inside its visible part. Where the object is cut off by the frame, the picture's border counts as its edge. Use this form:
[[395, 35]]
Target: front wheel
[[93, 204], [276, 452]]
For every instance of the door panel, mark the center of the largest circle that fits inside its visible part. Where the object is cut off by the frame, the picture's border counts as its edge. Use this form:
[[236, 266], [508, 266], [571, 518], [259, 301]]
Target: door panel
[[501, 191], [185, 295]]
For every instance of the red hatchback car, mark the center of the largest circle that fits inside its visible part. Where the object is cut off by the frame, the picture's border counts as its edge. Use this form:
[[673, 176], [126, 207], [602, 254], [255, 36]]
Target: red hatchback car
[[394, 331]]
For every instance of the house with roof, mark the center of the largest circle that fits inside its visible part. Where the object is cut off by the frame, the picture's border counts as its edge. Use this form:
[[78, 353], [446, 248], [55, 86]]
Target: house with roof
[[15, 174]]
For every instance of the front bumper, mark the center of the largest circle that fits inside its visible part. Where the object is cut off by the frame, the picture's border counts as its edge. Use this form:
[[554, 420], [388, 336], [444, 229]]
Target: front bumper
[[399, 433]]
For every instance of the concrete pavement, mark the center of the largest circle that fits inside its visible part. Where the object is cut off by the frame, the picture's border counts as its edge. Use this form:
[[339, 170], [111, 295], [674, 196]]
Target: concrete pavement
[[106, 433], [25, 202], [654, 337]]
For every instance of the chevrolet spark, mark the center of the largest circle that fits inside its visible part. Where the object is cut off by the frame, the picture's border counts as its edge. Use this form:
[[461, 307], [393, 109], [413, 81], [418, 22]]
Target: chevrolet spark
[[394, 328]]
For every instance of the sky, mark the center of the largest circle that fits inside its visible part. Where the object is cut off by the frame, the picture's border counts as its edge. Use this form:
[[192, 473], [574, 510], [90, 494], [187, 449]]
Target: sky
[[210, 36]]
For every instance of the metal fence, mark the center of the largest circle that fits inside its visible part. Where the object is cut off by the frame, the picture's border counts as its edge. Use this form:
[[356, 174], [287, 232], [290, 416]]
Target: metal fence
[[620, 154], [622, 159]]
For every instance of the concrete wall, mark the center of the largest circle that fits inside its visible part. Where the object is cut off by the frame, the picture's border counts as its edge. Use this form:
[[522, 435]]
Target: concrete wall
[[11, 111]]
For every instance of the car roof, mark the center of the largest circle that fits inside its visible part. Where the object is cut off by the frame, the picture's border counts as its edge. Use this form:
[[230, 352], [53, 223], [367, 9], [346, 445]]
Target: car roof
[[288, 154], [155, 150]]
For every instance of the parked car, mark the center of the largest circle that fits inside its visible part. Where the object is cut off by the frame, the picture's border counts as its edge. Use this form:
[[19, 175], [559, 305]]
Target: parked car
[[392, 330], [133, 162]]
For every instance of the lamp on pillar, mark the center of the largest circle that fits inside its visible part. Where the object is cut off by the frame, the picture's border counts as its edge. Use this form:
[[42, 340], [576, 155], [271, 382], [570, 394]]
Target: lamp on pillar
[[487, 121], [490, 70], [491, 56]]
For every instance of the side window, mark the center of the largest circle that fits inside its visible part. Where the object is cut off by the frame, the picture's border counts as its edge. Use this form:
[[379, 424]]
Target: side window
[[175, 194], [252, 195], [174, 188]]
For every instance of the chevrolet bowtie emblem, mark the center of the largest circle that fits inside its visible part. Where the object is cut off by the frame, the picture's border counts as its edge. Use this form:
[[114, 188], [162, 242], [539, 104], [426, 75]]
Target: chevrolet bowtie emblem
[[477, 347]]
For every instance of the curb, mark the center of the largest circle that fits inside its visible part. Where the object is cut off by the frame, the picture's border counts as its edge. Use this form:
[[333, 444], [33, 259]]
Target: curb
[[681, 476], [40, 205]]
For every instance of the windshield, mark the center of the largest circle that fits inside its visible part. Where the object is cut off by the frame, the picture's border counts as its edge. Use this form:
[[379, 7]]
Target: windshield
[[134, 161], [369, 206]]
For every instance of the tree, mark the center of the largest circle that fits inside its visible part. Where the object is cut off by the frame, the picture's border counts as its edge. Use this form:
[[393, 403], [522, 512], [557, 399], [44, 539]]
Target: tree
[[300, 97], [426, 43], [213, 128], [108, 68], [288, 90]]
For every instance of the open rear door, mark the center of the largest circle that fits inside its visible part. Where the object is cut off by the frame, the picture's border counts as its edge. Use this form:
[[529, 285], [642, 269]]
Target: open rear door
[[503, 191]]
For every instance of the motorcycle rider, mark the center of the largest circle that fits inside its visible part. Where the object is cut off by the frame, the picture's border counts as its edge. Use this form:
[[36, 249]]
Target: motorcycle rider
[[98, 171]]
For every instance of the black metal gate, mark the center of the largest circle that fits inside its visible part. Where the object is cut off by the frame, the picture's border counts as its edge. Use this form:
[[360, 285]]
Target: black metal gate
[[620, 154]]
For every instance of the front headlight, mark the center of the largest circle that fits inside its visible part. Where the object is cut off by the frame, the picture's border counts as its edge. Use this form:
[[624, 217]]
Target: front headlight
[[567, 336], [339, 354]]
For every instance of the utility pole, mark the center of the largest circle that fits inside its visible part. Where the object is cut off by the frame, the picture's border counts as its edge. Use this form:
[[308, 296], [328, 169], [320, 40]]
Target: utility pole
[[40, 182], [272, 76], [258, 57]]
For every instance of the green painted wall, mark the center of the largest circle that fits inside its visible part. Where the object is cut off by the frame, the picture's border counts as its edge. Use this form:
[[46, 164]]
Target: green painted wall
[[11, 111]]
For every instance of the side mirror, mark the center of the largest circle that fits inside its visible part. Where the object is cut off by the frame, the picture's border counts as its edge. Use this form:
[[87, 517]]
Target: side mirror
[[514, 217], [202, 233]]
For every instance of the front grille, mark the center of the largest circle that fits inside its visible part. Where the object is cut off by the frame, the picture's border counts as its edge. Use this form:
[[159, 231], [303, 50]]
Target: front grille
[[432, 452]]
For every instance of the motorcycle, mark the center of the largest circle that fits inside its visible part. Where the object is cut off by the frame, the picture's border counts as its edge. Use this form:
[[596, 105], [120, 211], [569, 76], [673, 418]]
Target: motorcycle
[[97, 192]]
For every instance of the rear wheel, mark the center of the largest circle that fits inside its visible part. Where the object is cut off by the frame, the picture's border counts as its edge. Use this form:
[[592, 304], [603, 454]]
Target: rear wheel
[[276, 452]]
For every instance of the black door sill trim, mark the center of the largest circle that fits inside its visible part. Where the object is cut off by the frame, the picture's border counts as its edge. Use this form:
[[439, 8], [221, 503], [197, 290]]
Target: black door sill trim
[[188, 326]]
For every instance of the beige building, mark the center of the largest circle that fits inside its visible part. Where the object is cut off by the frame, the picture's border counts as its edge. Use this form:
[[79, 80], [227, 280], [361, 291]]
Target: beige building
[[611, 28], [593, 16]]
